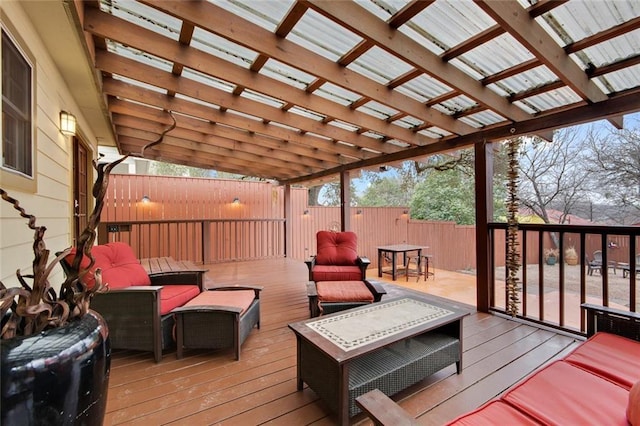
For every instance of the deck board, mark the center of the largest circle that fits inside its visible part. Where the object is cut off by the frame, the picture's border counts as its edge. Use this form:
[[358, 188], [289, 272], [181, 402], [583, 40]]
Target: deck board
[[209, 387]]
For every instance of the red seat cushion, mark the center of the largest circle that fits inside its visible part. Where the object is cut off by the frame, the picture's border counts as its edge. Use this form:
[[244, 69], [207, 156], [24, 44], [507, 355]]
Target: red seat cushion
[[633, 408], [493, 413], [173, 296], [119, 264], [336, 248], [563, 394], [343, 291], [336, 273], [611, 356], [236, 298]]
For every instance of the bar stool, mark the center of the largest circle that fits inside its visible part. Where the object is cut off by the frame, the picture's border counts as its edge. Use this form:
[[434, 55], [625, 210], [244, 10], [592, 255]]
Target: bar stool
[[427, 260], [418, 266]]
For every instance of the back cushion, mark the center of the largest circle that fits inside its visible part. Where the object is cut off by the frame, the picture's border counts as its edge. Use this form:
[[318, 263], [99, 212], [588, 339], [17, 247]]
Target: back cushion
[[336, 248], [119, 264]]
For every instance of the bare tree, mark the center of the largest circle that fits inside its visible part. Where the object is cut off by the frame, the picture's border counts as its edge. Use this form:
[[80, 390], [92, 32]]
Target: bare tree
[[553, 175], [615, 163]]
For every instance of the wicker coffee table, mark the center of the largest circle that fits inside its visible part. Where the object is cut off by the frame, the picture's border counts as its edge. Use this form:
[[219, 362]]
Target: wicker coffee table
[[389, 345]]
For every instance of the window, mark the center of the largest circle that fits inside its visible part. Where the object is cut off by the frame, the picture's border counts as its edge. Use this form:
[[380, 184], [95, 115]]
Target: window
[[17, 116]]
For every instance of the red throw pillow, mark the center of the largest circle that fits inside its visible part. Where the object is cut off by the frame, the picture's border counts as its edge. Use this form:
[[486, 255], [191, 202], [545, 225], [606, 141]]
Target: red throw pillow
[[633, 409], [336, 248]]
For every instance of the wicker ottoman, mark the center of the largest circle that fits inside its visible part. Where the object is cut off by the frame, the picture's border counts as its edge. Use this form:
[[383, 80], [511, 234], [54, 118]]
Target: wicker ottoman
[[219, 318]]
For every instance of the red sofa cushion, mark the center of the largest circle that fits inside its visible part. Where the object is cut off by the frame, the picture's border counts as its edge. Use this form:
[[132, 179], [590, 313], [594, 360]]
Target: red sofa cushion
[[336, 273], [343, 291], [493, 413], [633, 408], [235, 298], [611, 356], [336, 248], [119, 264], [173, 296], [563, 394]]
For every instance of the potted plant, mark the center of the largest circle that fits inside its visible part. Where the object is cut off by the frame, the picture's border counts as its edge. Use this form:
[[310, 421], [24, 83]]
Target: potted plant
[[55, 351], [571, 255], [551, 256]]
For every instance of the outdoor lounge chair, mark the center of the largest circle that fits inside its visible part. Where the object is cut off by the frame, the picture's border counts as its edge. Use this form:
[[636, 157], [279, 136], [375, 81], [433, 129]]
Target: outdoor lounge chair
[[137, 306], [595, 264], [337, 275]]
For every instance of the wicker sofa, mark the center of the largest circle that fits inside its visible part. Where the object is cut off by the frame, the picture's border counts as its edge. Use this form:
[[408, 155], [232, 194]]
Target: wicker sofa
[[137, 306], [596, 384]]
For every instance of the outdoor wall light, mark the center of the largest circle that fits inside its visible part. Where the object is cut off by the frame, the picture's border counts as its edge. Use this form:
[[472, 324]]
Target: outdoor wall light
[[306, 213], [67, 123], [145, 199], [405, 211], [358, 211], [236, 200]]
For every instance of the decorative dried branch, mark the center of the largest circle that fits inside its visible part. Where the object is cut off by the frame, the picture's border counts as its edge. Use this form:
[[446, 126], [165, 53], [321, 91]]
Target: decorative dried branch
[[513, 255]]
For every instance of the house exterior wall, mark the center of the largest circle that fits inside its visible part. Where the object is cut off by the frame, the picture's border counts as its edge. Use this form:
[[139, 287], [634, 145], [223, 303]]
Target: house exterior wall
[[49, 195]]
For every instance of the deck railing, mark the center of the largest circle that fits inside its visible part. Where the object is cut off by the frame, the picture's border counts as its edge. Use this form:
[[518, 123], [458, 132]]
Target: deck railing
[[552, 294], [201, 241]]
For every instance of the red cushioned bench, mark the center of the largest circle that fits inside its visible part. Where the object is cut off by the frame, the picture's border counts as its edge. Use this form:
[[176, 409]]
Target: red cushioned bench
[[596, 384]]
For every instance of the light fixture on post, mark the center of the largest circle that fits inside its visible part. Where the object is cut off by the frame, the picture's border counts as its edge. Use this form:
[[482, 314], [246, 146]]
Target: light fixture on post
[[359, 212], [67, 123], [405, 211], [236, 200], [306, 213], [145, 199]]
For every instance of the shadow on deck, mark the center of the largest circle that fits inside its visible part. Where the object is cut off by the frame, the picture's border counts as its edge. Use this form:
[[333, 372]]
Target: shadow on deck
[[209, 387]]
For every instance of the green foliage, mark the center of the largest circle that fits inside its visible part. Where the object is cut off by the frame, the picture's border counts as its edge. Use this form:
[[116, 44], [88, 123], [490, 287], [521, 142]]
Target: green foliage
[[168, 169], [387, 191], [330, 194], [445, 195]]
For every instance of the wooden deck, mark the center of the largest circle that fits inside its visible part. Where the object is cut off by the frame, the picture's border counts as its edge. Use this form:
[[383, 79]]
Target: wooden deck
[[209, 387]]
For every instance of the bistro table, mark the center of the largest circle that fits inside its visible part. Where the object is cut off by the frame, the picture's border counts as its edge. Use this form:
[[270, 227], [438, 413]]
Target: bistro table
[[394, 249]]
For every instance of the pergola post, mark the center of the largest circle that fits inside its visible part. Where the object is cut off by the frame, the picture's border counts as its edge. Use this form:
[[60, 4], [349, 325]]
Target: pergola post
[[288, 234], [484, 214], [345, 200]]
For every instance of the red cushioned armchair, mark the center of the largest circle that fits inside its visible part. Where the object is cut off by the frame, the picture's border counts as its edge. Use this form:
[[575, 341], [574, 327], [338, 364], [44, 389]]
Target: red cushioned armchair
[[337, 275], [137, 306]]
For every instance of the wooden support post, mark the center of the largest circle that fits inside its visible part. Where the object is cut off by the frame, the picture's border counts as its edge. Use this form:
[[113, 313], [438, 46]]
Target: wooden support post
[[288, 214], [484, 214], [345, 200]]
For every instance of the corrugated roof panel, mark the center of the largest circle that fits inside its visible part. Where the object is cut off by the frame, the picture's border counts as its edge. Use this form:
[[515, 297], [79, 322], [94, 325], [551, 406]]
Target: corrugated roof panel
[[267, 14], [139, 56], [482, 119], [627, 78], [241, 114], [447, 23], [497, 55], [458, 104], [343, 125], [337, 94], [373, 135], [383, 9], [286, 74], [306, 113], [434, 132], [408, 122], [397, 142], [611, 51], [377, 109], [576, 20], [223, 48], [197, 101], [144, 16], [553, 99], [139, 83], [379, 65], [263, 99], [535, 77], [423, 88], [467, 68], [323, 36], [208, 80]]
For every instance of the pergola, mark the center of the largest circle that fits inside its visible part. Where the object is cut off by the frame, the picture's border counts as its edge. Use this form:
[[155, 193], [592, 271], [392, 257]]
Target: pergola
[[305, 91]]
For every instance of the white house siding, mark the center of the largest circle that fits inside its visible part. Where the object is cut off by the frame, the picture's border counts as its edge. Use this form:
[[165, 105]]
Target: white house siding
[[52, 201]]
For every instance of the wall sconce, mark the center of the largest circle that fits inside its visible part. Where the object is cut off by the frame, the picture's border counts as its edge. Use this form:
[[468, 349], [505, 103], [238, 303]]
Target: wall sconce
[[306, 213], [359, 211], [405, 211], [67, 123], [145, 199], [236, 200]]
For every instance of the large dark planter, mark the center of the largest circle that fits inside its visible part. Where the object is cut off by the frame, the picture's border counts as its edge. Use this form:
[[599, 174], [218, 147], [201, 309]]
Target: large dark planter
[[58, 377]]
